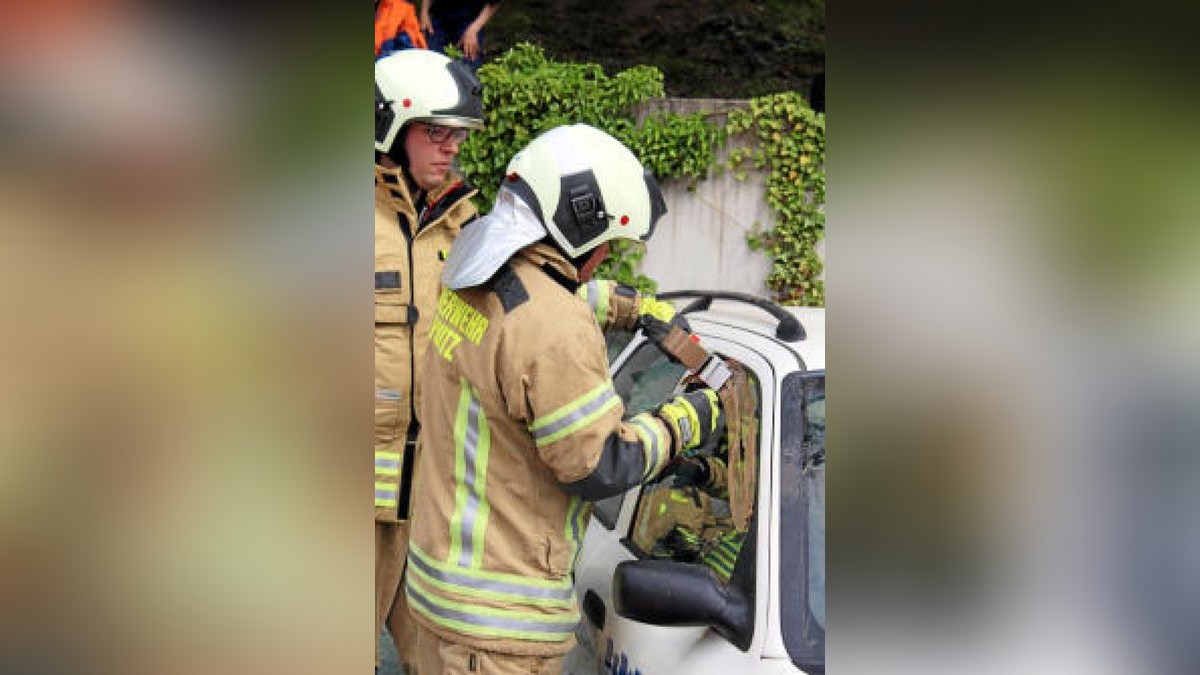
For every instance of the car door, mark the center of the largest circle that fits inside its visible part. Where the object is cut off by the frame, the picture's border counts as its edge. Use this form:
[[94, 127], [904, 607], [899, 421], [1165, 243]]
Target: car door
[[618, 530]]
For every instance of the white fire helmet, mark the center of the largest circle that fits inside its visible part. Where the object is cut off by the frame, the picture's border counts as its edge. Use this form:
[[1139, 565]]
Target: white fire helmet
[[423, 86], [586, 187]]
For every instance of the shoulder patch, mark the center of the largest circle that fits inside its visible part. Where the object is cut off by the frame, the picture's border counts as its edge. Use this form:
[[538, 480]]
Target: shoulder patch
[[508, 287]]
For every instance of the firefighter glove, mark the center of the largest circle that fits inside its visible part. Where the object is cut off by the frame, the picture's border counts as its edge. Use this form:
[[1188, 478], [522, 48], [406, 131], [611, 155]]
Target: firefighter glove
[[692, 417], [659, 309], [657, 330], [688, 471]]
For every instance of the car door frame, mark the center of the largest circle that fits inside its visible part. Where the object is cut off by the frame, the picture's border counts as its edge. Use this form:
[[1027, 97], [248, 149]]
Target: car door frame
[[608, 547]]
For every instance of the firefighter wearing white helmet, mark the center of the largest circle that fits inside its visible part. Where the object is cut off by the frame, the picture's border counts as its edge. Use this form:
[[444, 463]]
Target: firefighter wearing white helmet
[[420, 85], [425, 104], [523, 428]]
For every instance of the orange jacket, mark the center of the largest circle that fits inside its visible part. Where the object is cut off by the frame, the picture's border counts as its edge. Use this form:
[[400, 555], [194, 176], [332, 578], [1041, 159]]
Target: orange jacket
[[394, 17]]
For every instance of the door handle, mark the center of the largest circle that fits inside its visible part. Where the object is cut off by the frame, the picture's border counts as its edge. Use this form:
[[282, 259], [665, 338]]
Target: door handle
[[593, 609]]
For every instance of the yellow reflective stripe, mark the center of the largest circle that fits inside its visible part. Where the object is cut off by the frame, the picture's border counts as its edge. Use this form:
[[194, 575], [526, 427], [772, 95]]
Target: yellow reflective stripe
[[387, 463], [490, 621], [655, 442], [713, 406], [387, 494], [481, 590], [723, 557], [575, 415], [567, 409], [693, 421], [597, 295], [524, 586], [577, 513], [602, 301], [723, 570]]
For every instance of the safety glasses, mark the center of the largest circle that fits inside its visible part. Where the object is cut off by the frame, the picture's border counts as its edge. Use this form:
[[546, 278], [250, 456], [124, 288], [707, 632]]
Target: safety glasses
[[439, 134]]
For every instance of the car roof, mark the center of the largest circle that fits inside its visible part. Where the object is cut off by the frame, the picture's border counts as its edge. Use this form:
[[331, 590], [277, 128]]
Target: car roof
[[749, 317]]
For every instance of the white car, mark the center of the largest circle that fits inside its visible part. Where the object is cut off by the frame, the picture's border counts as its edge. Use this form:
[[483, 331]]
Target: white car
[[648, 613]]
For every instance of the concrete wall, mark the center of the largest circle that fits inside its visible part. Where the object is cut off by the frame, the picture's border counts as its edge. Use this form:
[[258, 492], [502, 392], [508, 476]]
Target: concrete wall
[[701, 242]]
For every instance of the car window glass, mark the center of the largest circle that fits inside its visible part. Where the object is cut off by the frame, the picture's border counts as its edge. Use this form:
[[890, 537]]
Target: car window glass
[[814, 489], [615, 342], [802, 504], [644, 382], [687, 516], [647, 379]]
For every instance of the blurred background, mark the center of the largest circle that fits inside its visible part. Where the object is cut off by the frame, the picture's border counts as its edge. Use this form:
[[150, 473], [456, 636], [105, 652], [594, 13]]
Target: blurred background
[[1013, 282], [1012, 302], [705, 48], [182, 357]]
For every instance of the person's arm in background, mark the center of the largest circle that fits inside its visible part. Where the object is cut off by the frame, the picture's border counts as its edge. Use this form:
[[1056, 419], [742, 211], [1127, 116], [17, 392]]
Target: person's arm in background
[[470, 38], [426, 21]]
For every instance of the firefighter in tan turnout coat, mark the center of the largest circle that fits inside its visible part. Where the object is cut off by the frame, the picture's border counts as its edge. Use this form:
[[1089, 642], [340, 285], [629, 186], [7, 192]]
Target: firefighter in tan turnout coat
[[522, 427], [424, 105]]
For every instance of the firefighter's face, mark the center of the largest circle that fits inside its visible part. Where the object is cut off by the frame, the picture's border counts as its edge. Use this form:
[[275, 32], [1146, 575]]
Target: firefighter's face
[[430, 150]]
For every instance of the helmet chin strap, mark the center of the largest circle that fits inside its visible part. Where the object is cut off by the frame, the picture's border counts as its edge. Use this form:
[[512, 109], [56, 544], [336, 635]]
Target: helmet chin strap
[[396, 152], [398, 156]]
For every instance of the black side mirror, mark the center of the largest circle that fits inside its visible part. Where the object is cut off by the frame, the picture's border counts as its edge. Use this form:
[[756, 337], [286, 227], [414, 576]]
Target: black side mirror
[[668, 593]]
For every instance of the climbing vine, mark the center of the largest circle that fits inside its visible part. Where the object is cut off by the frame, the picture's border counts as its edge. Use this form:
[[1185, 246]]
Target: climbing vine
[[789, 143], [526, 93]]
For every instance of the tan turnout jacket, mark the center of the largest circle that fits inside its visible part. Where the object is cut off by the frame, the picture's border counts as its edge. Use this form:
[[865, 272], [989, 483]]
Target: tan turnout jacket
[[521, 429], [406, 291]]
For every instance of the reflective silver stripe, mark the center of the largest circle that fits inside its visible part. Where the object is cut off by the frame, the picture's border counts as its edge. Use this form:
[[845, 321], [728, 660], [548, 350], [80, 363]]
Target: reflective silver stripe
[[602, 301], [593, 295], [654, 452], [471, 507], [551, 630], [387, 395], [469, 583], [685, 430], [385, 494], [386, 464], [587, 408]]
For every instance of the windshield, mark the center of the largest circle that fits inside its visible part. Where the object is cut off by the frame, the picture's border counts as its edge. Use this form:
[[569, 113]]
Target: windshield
[[802, 547]]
